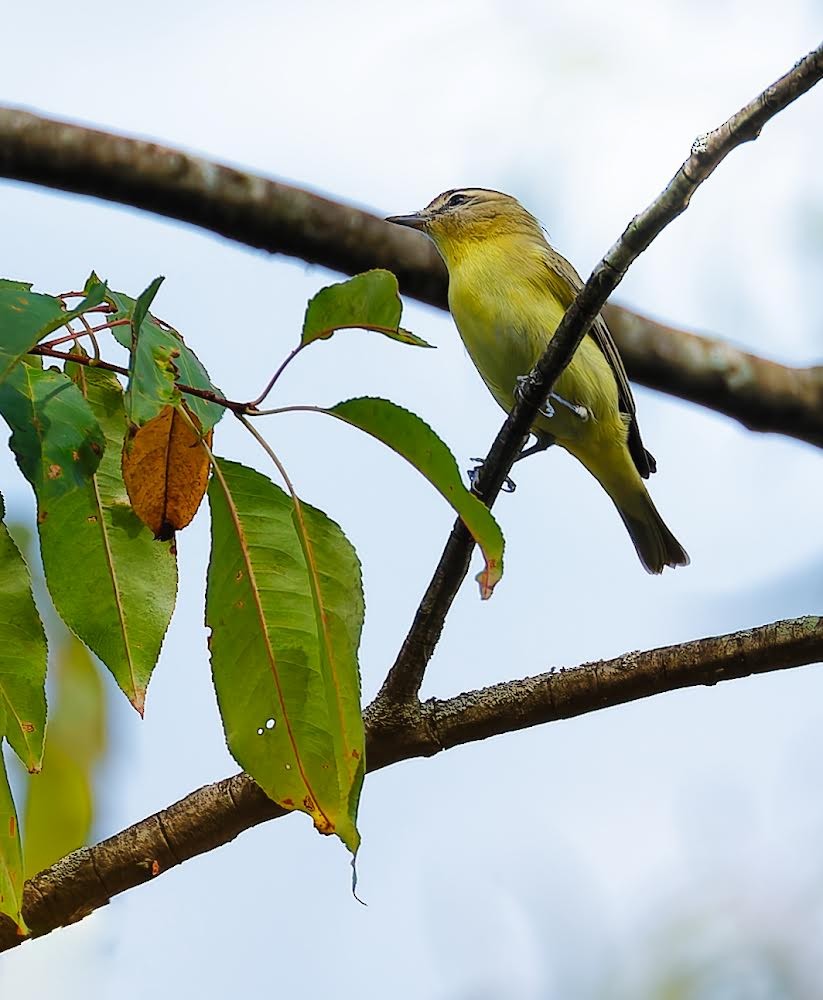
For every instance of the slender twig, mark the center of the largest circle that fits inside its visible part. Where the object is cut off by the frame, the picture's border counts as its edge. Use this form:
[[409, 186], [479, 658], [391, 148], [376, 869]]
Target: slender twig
[[292, 408], [103, 307], [213, 397], [288, 220], [71, 337], [270, 384], [45, 351], [406, 675], [321, 335], [264, 444], [81, 359], [91, 334], [214, 815], [89, 331]]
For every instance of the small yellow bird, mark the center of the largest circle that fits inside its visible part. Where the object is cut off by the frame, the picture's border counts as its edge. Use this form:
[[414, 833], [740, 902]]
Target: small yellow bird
[[508, 291]]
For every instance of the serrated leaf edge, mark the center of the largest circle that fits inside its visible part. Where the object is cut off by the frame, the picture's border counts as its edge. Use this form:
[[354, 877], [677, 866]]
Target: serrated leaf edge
[[272, 659]]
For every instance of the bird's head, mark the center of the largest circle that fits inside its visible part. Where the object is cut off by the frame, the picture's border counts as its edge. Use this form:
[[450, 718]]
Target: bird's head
[[460, 217]]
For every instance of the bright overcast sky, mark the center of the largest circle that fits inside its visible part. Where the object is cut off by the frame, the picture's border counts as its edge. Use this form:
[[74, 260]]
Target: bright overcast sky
[[573, 859]]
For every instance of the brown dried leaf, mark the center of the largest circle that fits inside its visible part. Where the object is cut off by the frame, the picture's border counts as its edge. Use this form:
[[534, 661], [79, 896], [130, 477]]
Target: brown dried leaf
[[166, 471]]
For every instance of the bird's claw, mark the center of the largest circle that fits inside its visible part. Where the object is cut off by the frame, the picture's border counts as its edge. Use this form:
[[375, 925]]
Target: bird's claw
[[519, 382], [509, 485]]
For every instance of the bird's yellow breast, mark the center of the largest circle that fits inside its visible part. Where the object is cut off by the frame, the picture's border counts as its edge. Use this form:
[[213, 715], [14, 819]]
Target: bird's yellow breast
[[505, 303]]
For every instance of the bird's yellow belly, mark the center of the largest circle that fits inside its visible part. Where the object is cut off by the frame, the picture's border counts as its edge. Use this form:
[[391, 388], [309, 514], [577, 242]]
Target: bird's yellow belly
[[506, 335]]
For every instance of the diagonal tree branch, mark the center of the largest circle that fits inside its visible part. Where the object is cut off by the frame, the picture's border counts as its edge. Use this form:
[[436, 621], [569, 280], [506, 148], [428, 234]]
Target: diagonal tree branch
[[262, 213], [241, 206], [406, 674], [214, 815]]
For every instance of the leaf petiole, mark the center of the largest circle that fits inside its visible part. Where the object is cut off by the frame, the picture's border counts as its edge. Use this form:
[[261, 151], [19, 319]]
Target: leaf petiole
[[270, 385]]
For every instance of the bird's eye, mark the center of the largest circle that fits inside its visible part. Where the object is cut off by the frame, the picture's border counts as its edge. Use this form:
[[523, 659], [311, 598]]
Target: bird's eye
[[457, 199]]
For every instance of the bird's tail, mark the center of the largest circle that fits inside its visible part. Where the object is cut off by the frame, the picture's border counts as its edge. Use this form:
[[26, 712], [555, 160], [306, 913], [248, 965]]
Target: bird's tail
[[655, 544]]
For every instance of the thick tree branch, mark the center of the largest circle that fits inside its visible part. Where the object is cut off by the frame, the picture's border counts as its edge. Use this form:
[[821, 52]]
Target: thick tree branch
[[763, 395], [241, 206], [406, 674], [284, 219], [214, 815]]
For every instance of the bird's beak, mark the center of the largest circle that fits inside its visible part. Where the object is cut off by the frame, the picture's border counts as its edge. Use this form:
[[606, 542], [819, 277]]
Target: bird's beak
[[417, 220]]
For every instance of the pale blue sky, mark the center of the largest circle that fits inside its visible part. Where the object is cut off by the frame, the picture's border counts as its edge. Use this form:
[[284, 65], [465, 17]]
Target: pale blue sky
[[564, 861]]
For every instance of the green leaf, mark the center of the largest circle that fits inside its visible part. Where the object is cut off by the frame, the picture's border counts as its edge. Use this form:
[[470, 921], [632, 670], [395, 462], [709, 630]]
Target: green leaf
[[23, 656], [11, 855], [111, 582], [55, 437], [26, 317], [409, 436], [152, 372], [162, 358], [285, 608], [141, 306], [59, 802], [95, 295], [369, 301], [23, 316]]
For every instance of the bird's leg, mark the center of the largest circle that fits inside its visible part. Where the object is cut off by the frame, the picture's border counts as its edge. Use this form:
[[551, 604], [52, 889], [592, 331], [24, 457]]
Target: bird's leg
[[547, 410], [577, 408], [543, 441]]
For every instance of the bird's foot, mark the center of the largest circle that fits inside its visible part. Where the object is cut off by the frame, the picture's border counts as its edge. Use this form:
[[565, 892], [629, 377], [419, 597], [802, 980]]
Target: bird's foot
[[519, 384], [509, 485], [547, 410], [543, 441]]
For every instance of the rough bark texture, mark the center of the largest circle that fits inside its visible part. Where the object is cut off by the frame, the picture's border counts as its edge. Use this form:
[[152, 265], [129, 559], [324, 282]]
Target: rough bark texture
[[214, 815], [763, 395]]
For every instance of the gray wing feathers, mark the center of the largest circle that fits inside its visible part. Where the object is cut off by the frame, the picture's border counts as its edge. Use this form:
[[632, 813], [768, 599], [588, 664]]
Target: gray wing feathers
[[643, 460]]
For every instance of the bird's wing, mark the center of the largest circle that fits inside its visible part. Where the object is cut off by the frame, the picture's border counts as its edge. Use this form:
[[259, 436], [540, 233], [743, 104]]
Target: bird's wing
[[643, 460]]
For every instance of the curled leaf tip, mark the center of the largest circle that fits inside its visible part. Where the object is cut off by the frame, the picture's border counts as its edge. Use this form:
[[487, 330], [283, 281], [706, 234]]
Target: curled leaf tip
[[488, 578]]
